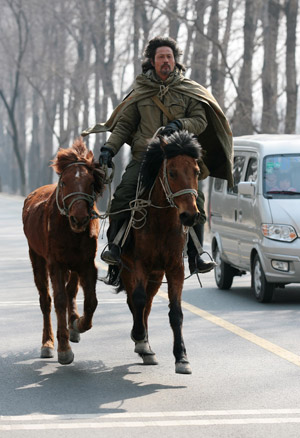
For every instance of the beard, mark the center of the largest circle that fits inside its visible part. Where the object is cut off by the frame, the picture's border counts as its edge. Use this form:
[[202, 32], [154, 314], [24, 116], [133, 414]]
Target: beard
[[165, 69]]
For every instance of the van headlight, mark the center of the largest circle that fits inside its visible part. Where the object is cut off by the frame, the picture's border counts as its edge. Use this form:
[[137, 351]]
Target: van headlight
[[284, 233]]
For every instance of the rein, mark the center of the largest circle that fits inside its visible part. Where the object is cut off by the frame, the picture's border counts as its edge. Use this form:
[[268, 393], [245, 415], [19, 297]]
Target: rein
[[140, 205], [64, 210]]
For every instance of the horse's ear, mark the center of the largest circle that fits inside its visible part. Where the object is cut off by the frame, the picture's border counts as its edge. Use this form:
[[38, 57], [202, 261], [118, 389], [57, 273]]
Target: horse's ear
[[90, 156], [99, 176]]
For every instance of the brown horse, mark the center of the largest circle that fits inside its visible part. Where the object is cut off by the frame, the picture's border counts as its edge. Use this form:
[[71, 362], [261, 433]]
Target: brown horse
[[61, 226], [169, 178]]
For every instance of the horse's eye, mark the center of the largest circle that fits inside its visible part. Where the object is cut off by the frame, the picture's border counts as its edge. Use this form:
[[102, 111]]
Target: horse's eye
[[171, 174], [62, 184]]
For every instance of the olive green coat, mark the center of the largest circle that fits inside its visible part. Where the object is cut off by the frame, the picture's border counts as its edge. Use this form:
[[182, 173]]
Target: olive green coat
[[137, 118]]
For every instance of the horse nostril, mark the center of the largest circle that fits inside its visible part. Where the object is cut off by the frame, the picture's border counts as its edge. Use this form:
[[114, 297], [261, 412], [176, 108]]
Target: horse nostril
[[73, 220], [184, 218], [86, 220], [188, 220]]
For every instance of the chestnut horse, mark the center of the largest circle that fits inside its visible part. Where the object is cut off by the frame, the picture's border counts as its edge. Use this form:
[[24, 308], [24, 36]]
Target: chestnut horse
[[169, 178], [61, 226]]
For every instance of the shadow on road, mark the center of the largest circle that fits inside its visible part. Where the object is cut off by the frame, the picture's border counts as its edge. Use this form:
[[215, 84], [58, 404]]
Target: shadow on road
[[45, 387]]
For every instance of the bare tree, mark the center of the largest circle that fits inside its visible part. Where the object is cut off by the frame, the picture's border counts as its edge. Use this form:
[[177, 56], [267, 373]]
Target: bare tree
[[213, 33], [242, 120], [223, 66], [173, 18], [291, 10], [269, 121], [10, 100]]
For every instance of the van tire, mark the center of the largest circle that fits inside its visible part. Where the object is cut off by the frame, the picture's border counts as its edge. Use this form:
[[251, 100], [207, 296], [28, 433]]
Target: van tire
[[263, 290], [223, 271]]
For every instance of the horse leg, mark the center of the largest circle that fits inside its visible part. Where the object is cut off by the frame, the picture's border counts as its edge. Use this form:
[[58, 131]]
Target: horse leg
[[40, 273], [72, 290], [175, 283], [139, 333], [58, 277], [88, 282]]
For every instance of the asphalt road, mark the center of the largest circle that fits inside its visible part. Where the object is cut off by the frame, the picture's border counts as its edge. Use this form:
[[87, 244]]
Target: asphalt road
[[244, 356]]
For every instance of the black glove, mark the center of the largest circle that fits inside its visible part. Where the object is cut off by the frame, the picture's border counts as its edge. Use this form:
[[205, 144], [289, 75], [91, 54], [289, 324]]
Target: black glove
[[105, 157], [171, 127]]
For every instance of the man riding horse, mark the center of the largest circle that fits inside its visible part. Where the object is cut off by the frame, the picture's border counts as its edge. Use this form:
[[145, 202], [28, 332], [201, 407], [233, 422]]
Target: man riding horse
[[163, 97]]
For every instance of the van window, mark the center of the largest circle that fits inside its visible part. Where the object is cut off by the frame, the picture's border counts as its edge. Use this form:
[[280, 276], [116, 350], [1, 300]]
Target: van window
[[281, 175], [251, 174], [238, 165], [218, 184]]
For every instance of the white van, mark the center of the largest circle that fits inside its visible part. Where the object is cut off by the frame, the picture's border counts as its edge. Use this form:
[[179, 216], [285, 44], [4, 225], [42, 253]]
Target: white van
[[256, 224]]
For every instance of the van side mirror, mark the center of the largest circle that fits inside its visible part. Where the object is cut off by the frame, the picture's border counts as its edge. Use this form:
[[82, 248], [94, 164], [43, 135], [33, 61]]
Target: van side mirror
[[246, 188]]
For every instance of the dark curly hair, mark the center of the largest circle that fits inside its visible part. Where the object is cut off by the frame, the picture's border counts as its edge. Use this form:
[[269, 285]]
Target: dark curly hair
[[159, 41]]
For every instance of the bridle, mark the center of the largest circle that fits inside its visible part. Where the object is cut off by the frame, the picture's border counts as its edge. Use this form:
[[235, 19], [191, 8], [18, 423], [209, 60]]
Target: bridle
[[64, 210], [167, 189]]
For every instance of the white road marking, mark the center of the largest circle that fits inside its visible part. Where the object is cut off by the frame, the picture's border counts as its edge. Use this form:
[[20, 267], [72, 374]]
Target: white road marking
[[165, 414], [36, 303], [169, 419]]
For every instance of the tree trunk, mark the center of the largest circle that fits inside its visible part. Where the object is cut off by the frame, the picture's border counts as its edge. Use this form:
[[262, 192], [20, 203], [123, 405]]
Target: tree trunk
[[200, 53], [242, 120], [214, 36], [269, 122], [223, 61], [291, 10], [34, 156], [172, 13]]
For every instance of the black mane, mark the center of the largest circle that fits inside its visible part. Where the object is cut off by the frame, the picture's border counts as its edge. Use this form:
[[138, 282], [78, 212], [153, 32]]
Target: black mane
[[179, 143]]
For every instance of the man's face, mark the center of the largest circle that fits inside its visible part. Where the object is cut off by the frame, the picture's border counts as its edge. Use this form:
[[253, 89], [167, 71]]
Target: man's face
[[164, 62]]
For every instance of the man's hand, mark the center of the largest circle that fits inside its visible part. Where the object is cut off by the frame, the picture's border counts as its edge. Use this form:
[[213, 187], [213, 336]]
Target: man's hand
[[105, 158], [171, 127]]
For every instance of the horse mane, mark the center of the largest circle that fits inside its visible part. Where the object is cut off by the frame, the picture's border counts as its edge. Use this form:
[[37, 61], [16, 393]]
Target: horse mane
[[179, 143], [78, 152]]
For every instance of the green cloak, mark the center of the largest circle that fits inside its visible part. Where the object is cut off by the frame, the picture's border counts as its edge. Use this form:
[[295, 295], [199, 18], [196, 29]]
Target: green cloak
[[216, 140]]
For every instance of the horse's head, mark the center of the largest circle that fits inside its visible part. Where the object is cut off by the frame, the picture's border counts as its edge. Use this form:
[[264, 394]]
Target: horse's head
[[80, 183], [180, 182], [175, 161]]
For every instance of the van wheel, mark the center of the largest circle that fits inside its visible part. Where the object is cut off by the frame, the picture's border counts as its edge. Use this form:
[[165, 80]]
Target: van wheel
[[263, 290], [223, 272]]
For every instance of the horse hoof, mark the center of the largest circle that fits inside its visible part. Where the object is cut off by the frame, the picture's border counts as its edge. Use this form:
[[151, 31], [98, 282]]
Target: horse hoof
[[149, 359], [183, 367], [65, 357], [47, 352], [74, 333]]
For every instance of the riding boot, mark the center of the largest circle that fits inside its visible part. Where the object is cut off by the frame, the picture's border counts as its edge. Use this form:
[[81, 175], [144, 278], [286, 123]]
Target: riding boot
[[112, 256], [196, 263], [113, 276]]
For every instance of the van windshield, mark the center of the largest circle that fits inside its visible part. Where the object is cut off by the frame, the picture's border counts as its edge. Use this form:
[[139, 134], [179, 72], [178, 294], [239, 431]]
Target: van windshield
[[281, 176]]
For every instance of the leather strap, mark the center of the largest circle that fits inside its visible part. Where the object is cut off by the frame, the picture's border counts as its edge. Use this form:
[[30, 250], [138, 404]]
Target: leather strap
[[163, 108], [196, 241]]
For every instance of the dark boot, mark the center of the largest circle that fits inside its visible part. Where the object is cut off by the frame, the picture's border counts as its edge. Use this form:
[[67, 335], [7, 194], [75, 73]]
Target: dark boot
[[113, 276], [196, 263], [112, 256]]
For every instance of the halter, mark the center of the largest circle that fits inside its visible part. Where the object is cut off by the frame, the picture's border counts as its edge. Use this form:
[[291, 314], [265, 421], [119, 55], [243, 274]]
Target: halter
[[167, 189], [64, 210]]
